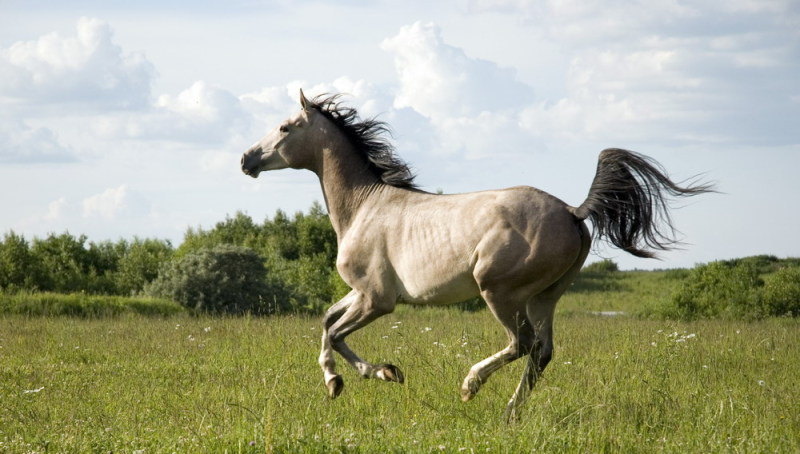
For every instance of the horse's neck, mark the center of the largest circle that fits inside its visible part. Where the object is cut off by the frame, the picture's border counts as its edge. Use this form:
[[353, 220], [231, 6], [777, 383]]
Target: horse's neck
[[347, 182]]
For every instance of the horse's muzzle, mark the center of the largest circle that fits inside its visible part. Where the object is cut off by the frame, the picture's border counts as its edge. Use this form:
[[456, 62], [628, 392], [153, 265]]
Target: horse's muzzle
[[250, 163]]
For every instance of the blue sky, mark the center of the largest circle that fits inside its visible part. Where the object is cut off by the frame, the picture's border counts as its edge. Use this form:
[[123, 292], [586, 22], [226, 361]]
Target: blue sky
[[120, 120]]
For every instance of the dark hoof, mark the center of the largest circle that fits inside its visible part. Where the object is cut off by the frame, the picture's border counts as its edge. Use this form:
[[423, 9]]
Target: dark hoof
[[390, 372], [335, 386]]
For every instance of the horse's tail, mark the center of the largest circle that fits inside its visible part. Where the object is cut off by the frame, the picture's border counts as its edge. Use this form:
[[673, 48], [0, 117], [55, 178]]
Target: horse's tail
[[628, 202]]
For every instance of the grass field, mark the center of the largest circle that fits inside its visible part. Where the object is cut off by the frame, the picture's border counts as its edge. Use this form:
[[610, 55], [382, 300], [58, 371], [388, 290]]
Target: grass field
[[252, 385], [136, 383]]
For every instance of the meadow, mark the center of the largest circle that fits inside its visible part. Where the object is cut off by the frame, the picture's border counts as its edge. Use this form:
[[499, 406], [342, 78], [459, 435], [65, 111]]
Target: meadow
[[133, 382]]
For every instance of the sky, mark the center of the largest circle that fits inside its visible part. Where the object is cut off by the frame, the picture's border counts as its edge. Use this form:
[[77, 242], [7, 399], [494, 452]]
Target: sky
[[122, 119]]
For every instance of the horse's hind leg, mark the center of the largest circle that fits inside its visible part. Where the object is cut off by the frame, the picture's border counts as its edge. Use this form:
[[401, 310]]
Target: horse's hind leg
[[520, 334], [353, 312], [540, 313], [540, 310]]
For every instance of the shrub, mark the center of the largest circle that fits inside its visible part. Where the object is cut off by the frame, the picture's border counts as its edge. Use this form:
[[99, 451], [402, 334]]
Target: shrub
[[603, 266], [677, 274], [223, 279], [781, 295], [599, 276], [720, 289]]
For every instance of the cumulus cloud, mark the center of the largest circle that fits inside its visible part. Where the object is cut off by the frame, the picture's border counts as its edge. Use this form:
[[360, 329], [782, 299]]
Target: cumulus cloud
[[439, 80], [202, 113], [708, 72], [472, 104], [22, 144], [86, 69], [114, 203], [55, 210]]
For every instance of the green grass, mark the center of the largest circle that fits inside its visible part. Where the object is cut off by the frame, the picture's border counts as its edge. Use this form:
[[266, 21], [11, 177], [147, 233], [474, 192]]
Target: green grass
[[198, 384], [84, 305], [639, 293]]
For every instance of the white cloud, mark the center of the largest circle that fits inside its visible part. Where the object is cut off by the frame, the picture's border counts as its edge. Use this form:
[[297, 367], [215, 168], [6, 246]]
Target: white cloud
[[440, 81], [55, 210], [472, 104], [87, 69], [202, 113], [22, 144], [115, 203], [667, 72]]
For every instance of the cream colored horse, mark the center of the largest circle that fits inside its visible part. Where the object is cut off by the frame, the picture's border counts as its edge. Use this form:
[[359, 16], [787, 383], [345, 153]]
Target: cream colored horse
[[518, 248]]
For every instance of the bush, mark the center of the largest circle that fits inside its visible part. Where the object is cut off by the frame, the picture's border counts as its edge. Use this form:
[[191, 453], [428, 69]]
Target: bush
[[781, 295], [223, 279], [603, 266], [599, 276], [720, 289]]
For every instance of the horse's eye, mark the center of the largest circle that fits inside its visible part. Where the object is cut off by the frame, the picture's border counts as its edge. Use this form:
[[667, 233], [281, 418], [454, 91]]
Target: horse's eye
[[284, 128]]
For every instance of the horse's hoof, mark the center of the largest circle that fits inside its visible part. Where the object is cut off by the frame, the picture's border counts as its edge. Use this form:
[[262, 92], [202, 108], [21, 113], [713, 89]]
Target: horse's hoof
[[390, 372], [470, 388], [335, 386]]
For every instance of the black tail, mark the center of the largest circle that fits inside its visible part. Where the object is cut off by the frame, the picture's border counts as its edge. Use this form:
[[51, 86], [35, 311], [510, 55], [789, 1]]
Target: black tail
[[628, 202]]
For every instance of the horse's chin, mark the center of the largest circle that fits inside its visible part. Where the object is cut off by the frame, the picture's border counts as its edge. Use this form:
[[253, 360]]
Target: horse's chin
[[252, 173]]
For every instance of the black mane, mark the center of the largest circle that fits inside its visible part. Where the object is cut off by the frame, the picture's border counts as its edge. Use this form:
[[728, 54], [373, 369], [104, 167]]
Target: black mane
[[368, 140]]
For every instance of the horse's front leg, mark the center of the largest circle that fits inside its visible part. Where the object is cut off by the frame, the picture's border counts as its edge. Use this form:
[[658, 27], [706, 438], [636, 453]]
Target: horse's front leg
[[333, 381], [353, 312]]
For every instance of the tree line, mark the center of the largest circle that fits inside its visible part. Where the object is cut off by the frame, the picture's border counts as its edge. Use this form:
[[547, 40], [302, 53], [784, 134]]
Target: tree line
[[285, 263]]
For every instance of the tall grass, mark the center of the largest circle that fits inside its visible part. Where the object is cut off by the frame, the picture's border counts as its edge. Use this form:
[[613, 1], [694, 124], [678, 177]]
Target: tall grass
[[83, 305], [196, 384]]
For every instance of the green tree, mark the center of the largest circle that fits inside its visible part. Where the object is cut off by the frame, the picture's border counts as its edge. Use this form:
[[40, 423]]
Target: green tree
[[64, 260], [18, 267], [140, 264]]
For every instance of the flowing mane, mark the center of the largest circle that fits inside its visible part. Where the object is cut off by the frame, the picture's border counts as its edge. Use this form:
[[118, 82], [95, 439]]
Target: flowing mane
[[367, 137]]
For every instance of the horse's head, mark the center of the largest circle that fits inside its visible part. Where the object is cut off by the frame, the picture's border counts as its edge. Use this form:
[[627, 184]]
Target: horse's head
[[288, 145]]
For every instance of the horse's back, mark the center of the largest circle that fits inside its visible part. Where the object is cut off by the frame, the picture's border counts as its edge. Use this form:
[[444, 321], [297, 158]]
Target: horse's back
[[439, 249]]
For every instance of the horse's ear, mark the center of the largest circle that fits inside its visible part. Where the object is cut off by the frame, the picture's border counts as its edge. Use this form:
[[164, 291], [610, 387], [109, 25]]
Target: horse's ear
[[304, 102]]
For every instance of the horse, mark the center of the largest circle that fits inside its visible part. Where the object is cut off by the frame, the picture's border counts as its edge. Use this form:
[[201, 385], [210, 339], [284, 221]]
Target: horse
[[518, 248]]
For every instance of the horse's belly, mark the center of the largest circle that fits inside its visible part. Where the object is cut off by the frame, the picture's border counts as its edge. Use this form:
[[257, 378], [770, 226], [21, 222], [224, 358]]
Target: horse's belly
[[437, 288]]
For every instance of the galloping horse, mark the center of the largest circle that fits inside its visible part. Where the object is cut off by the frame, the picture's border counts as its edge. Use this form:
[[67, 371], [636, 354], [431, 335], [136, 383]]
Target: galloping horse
[[518, 248]]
